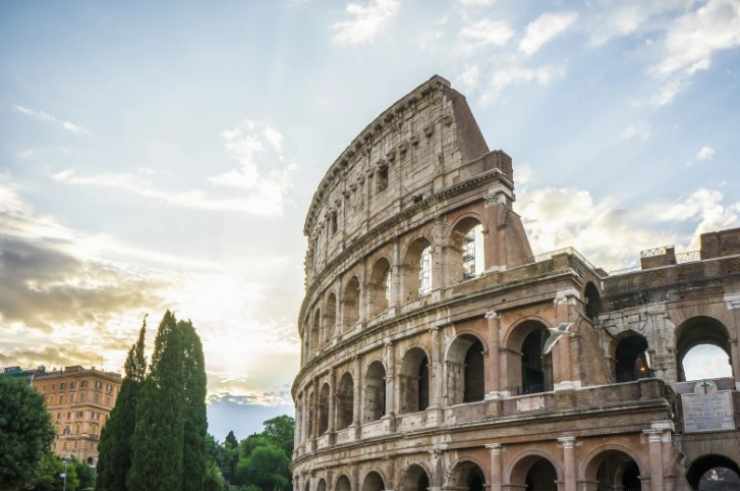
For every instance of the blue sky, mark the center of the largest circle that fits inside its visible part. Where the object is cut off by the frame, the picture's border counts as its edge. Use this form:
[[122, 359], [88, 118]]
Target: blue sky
[[158, 155]]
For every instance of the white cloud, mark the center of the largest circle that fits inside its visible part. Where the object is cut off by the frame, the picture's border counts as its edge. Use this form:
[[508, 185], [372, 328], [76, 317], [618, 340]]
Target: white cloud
[[485, 32], [543, 29], [705, 153], [470, 77], [638, 131], [46, 117], [365, 21], [616, 18], [668, 91], [510, 74], [477, 3], [695, 37]]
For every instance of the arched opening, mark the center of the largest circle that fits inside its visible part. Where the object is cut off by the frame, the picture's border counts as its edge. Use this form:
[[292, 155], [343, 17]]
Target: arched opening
[[414, 380], [465, 370], [415, 479], [593, 302], [351, 302], [321, 486], [535, 367], [380, 287], [324, 397], [631, 358], [614, 469], [343, 484], [311, 413], [307, 486], [535, 473], [345, 401], [713, 473], [701, 336], [467, 476], [417, 270], [316, 332], [373, 482], [467, 252], [375, 392], [330, 317]]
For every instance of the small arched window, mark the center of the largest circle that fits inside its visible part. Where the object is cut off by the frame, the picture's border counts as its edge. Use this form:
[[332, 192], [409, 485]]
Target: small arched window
[[425, 271]]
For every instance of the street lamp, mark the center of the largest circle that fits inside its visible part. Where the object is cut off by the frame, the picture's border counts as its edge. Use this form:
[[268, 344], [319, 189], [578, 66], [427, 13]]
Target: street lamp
[[64, 474]]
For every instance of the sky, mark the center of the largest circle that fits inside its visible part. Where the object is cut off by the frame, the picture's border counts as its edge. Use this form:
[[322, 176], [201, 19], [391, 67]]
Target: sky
[[160, 155]]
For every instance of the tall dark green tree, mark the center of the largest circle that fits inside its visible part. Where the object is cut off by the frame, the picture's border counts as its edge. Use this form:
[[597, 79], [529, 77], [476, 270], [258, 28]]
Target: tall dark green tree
[[157, 463], [114, 448], [26, 432], [194, 400]]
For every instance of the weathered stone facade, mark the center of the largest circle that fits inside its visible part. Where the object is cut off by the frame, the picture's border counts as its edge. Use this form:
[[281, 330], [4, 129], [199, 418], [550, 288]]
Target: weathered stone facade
[[436, 358]]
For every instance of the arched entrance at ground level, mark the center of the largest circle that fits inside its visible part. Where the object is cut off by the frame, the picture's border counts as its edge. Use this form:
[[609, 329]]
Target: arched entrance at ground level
[[713, 473], [415, 479], [535, 473], [465, 370], [695, 333], [321, 486], [631, 357], [532, 371], [467, 476], [414, 381], [374, 392], [373, 482], [614, 469], [343, 484], [345, 402]]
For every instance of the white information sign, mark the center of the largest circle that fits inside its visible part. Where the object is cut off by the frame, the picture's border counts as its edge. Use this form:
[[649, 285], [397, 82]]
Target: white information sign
[[708, 409]]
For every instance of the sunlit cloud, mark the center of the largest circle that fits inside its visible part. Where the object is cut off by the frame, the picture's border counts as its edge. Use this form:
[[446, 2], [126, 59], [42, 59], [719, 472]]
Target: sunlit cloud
[[49, 118], [365, 21], [544, 29]]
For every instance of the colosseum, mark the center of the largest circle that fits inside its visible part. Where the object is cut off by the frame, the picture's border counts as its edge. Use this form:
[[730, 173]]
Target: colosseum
[[438, 352]]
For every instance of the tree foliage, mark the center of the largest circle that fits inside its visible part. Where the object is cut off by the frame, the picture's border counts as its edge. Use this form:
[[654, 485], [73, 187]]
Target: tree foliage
[[194, 410], [26, 432]]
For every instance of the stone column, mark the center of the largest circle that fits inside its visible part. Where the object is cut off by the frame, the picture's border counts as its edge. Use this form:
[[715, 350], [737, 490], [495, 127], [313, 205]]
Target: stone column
[[436, 385], [656, 458], [568, 444], [496, 472], [733, 305], [332, 404], [566, 369], [390, 383], [436, 480], [396, 270], [494, 356], [357, 395], [669, 477]]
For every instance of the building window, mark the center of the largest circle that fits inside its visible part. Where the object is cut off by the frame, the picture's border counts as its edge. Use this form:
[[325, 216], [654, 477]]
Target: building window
[[425, 271], [381, 179], [61, 386], [83, 384]]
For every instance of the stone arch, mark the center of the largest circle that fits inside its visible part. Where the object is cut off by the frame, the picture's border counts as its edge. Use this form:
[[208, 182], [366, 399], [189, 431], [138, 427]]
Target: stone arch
[[330, 316], [321, 486], [466, 249], [417, 269], [535, 469], [345, 401], [324, 397], [316, 332], [414, 381], [465, 369], [380, 286], [307, 486], [631, 357], [374, 391], [594, 305], [351, 302], [373, 482], [311, 426], [709, 463], [343, 484], [415, 478], [700, 330], [467, 475], [530, 370], [613, 467]]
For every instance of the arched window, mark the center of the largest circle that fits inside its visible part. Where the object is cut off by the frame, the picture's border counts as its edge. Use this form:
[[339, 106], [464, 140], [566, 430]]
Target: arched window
[[631, 360], [415, 479], [375, 391], [345, 401], [330, 317], [467, 251], [321, 486], [698, 342], [465, 370], [324, 397], [316, 332], [343, 484], [713, 473], [614, 469], [417, 270], [533, 372], [414, 380], [467, 476], [373, 482], [351, 303], [380, 287], [593, 302]]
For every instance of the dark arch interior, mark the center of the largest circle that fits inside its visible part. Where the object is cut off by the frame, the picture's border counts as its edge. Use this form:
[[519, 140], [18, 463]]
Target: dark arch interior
[[415, 479], [541, 476], [714, 473], [415, 381], [375, 392], [593, 302], [346, 401], [536, 367], [324, 409], [474, 373], [321, 486], [343, 484], [616, 470], [373, 482], [469, 477], [631, 361]]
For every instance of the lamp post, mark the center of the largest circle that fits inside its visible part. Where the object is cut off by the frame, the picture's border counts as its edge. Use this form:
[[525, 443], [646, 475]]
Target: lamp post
[[64, 475]]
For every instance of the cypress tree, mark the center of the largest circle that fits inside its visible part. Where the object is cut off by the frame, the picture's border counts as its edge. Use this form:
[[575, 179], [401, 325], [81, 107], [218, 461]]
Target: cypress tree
[[157, 463], [194, 399], [114, 448]]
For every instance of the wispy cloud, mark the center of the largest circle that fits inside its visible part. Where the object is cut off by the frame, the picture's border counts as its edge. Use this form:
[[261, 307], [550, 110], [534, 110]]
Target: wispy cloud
[[609, 19], [365, 21], [705, 153], [485, 32], [512, 73], [544, 29], [46, 117]]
